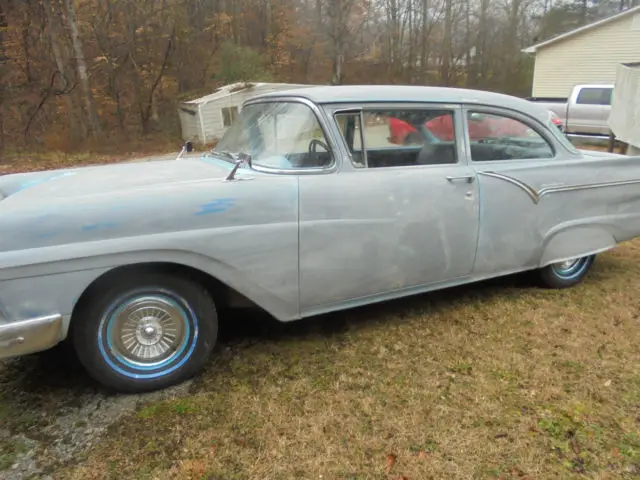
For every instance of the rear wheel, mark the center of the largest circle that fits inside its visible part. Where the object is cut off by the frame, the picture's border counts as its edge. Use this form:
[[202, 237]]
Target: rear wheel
[[145, 331], [566, 274]]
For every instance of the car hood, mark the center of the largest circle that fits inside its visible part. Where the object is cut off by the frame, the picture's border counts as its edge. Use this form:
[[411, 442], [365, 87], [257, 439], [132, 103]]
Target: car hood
[[72, 183]]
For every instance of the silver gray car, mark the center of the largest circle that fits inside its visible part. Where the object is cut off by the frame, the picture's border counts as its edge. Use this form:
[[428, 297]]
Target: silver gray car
[[315, 200]]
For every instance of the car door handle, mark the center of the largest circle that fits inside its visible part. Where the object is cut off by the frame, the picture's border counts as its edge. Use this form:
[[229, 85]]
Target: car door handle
[[465, 178]]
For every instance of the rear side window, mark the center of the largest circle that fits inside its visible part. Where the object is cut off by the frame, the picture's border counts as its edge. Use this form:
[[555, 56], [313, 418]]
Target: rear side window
[[595, 96], [497, 137]]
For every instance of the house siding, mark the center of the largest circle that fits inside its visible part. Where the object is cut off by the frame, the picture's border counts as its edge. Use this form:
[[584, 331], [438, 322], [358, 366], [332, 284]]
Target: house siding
[[588, 57], [190, 124], [212, 111]]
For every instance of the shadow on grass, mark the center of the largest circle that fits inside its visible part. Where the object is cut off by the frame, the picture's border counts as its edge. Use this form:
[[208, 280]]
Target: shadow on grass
[[57, 371], [251, 326]]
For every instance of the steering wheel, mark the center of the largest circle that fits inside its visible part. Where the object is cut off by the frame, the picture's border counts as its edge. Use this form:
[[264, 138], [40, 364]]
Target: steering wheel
[[314, 143]]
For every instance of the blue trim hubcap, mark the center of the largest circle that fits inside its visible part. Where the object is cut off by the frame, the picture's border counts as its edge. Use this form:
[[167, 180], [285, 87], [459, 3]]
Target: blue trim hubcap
[[570, 269], [147, 335]]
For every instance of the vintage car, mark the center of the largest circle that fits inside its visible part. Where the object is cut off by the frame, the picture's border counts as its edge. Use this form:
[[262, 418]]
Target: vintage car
[[303, 207]]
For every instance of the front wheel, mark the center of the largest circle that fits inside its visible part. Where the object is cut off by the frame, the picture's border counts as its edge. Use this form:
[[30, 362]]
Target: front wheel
[[566, 274], [146, 331]]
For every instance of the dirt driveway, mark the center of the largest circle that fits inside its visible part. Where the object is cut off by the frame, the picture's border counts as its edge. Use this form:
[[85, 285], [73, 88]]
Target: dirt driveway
[[51, 413]]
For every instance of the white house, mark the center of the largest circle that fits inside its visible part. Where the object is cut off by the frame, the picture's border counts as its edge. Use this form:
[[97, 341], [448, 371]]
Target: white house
[[586, 55], [205, 119]]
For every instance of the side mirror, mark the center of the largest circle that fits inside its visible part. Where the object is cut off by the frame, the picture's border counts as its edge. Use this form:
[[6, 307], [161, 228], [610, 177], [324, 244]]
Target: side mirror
[[186, 147]]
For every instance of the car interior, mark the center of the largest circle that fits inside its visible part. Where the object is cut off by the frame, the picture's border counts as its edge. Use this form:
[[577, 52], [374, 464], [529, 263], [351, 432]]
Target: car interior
[[422, 147], [509, 149], [419, 147]]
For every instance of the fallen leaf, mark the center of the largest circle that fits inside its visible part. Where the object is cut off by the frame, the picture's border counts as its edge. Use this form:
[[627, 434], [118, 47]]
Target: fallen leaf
[[422, 455], [517, 472], [574, 445], [241, 443], [391, 461]]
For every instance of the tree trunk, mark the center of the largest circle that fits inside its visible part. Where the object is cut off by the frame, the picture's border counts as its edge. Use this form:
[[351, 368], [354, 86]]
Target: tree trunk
[[445, 74], [480, 62], [3, 25], [76, 128], [467, 44], [336, 78], [424, 51], [81, 66], [338, 12]]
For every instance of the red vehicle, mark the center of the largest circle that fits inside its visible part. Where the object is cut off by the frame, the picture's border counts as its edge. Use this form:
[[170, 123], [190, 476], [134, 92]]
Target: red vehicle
[[480, 127]]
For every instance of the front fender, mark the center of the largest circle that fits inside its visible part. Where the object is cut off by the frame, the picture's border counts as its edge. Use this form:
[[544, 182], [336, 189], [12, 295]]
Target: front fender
[[50, 280]]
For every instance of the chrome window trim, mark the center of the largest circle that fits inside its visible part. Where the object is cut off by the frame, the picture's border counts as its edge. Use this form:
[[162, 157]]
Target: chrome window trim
[[346, 111], [326, 131], [456, 110], [533, 123]]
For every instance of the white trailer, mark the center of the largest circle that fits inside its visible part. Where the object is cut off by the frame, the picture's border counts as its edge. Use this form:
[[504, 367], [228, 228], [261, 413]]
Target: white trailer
[[624, 119]]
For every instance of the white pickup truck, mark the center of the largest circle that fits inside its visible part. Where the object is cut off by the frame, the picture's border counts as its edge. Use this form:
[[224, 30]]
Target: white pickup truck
[[585, 112]]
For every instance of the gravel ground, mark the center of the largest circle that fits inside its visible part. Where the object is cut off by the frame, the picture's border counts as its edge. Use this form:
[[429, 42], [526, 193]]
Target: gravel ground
[[51, 413]]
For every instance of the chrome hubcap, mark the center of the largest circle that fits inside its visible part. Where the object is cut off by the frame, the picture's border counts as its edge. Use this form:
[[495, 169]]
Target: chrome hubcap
[[567, 265], [147, 330]]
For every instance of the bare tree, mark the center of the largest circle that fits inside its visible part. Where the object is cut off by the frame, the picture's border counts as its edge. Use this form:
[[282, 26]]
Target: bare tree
[[65, 76], [445, 66], [342, 27], [81, 66]]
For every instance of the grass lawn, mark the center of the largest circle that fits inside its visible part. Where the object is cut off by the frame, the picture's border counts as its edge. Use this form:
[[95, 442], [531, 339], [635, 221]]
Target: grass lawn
[[496, 380]]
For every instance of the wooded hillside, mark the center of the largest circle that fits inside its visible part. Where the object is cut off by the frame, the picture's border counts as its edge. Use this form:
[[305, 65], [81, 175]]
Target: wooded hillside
[[86, 72]]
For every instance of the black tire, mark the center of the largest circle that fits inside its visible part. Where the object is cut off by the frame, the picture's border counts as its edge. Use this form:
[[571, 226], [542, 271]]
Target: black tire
[[145, 313], [567, 275]]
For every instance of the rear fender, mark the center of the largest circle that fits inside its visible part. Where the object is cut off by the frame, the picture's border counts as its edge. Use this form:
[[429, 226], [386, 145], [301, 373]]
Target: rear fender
[[575, 241]]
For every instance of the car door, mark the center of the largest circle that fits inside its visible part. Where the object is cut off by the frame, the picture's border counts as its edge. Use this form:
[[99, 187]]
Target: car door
[[517, 161], [393, 219]]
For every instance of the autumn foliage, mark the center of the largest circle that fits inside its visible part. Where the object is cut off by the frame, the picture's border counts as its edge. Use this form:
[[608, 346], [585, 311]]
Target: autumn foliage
[[77, 73]]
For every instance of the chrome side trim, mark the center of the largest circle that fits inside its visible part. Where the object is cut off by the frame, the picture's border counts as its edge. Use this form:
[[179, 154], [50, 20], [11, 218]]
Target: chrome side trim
[[536, 195], [30, 336], [533, 194]]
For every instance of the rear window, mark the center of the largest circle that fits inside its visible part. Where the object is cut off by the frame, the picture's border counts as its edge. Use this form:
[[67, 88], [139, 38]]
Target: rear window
[[595, 96]]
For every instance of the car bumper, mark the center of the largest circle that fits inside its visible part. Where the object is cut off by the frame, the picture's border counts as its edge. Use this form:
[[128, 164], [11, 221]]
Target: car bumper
[[30, 335]]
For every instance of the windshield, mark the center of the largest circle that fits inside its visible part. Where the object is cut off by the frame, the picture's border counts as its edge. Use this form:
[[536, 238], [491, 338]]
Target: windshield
[[282, 135]]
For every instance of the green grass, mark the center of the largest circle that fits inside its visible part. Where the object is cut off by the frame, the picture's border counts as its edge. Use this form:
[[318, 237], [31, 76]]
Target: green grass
[[492, 381]]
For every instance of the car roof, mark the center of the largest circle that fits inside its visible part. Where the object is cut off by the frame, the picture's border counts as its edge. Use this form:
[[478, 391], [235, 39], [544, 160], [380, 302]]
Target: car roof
[[409, 93]]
